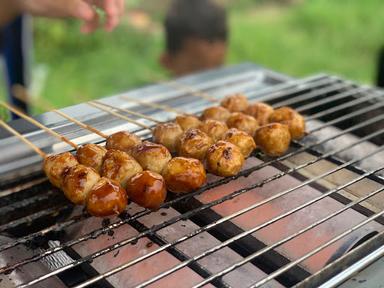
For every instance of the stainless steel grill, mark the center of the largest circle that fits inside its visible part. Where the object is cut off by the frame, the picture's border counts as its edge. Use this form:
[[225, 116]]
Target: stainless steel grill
[[311, 217]]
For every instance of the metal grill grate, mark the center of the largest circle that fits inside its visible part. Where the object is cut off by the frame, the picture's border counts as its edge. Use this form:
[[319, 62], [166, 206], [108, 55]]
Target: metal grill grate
[[240, 219]]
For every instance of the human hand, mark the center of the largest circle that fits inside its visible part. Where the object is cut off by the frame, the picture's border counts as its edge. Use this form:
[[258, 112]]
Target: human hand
[[79, 9]]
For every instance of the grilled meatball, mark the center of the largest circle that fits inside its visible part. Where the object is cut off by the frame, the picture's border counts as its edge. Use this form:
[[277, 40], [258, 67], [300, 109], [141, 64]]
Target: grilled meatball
[[214, 129], [168, 134], [187, 121], [123, 141], [147, 189], [294, 120], [152, 156], [273, 139], [194, 143], [243, 122], [78, 181], [91, 155], [183, 175], [235, 103], [218, 113], [242, 140], [260, 111], [55, 165], [119, 166], [106, 198], [224, 159]]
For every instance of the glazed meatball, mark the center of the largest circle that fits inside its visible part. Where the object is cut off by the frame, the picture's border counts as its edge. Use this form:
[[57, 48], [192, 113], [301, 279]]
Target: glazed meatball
[[260, 111], [147, 189], [106, 198], [242, 140], [123, 141], [214, 129], [152, 156], [168, 134], [273, 139], [194, 143], [187, 121], [235, 103], [183, 175], [91, 155], [55, 165], [78, 181], [243, 122], [224, 159], [294, 120], [216, 113], [119, 166]]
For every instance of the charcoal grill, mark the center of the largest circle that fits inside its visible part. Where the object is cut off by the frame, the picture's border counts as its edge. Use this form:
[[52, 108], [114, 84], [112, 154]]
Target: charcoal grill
[[311, 217]]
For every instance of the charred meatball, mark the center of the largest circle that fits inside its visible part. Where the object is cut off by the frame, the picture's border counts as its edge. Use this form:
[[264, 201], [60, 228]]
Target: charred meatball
[[91, 155], [214, 129], [243, 122], [152, 156], [294, 120], [216, 113], [119, 166], [194, 143], [187, 121], [260, 111], [55, 165], [168, 134], [123, 141], [147, 189], [235, 103], [183, 175], [106, 198], [273, 139], [78, 181], [224, 159], [242, 140]]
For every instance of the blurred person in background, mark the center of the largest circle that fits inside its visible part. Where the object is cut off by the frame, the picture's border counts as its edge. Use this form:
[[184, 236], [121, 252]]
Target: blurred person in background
[[380, 69], [196, 33], [15, 36]]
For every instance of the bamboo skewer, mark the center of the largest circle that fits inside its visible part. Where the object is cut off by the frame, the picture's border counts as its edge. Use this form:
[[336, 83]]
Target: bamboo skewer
[[21, 93], [38, 124], [153, 105], [129, 112], [23, 138], [195, 92], [101, 107]]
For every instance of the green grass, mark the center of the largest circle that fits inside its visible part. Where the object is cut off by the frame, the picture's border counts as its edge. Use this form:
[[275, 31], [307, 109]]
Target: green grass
[[340, 37]]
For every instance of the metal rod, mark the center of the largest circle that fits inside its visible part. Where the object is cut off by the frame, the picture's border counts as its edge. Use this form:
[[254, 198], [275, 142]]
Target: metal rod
[[152, 105], [193, 91], [129, 112], [186, 216], [119, 115], [311, 94], [23, 138], [38, 124]]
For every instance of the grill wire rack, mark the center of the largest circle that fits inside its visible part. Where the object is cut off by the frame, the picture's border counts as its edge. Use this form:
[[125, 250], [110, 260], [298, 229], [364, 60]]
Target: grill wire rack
[[206, 237]]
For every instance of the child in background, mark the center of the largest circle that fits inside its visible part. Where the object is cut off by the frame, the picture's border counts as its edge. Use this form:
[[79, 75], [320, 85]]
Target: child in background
[[196, 35]]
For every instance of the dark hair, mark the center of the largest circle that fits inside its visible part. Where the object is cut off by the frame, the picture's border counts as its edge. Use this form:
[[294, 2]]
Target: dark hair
[[202, 19]]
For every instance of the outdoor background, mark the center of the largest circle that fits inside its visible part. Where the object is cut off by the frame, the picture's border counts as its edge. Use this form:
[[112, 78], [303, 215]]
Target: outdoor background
[[294, 37]]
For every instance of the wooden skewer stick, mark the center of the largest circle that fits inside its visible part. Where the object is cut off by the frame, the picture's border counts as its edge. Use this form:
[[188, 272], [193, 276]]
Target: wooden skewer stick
[[101, 107], [129, 112], [22, 138], [21, 93], [38, 124], [193, 91], [152, 105]]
